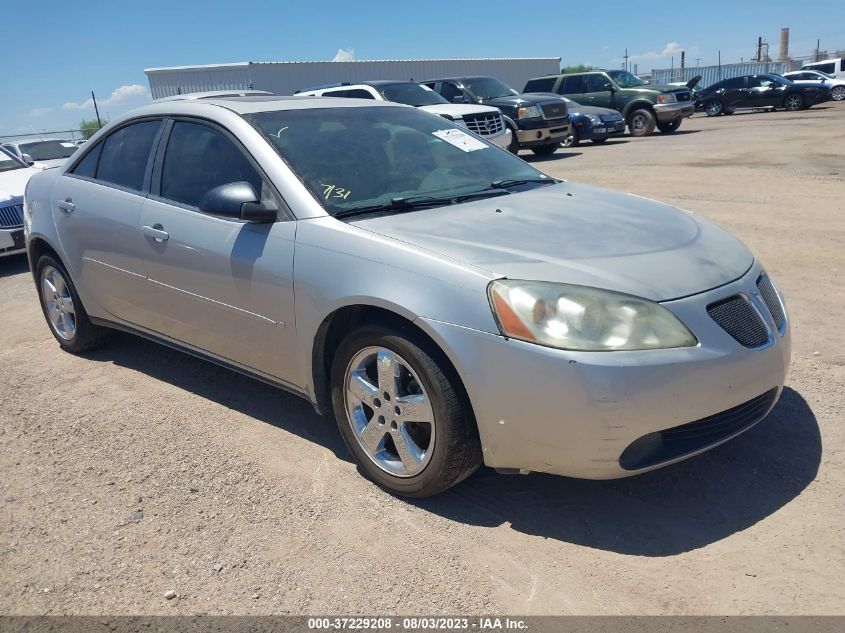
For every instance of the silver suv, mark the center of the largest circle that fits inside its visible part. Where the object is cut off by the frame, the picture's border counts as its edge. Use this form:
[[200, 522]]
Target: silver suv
[[445, 302]]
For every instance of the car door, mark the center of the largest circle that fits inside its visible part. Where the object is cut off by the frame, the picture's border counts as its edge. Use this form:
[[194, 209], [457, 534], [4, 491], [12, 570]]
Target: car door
[[763, 92], [596, 93], [97, 206], [734, 93], [572, 86], [221, 286]]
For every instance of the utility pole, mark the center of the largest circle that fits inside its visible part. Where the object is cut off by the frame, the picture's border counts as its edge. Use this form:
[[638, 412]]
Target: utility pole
[[625, 67], [818, 46], [96, 110], [720, 65]]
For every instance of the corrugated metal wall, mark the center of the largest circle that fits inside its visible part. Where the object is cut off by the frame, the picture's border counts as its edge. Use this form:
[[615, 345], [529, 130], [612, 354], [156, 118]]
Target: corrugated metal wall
[[712, 74], [284, 78]]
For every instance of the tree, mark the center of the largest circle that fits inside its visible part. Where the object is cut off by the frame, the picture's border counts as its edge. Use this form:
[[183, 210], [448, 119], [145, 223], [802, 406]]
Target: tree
[[89, 128], [580, 68]]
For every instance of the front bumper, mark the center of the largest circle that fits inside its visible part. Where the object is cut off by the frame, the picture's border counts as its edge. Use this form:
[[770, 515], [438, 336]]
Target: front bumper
[[575, 413], [600, 130], [667, 112], [541, 131], [11, 241], [501, 140]]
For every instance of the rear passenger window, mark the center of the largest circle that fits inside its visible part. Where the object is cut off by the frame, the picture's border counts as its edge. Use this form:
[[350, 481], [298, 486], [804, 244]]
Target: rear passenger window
[[546, 84], [123, 159], [359, 93], [88, 166], [572, 85], [200, 158]]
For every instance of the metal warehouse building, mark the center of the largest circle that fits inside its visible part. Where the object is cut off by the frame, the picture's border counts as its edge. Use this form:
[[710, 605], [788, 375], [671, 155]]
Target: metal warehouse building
[[284, 78]]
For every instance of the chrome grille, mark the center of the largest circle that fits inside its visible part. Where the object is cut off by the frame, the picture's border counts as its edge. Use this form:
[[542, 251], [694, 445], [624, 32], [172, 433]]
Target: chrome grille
[[553, 110], [740, 319], [11, 217], [485, 124], [772, 301]]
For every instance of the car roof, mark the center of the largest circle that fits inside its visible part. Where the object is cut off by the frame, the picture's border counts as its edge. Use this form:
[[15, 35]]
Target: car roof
[[215, 94]]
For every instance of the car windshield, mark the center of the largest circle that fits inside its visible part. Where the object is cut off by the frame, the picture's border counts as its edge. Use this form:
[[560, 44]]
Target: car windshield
[[410, 94], [485, 88], [357, 158], [48, 150], [625, 79], [9, 162]]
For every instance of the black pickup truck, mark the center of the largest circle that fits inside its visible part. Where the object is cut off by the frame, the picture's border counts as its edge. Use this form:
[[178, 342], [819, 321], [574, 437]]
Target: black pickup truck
[[537, 122]]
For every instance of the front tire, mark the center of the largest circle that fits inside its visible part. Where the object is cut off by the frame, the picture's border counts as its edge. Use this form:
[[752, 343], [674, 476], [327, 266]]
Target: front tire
[[402, 412], [573, 140], [641, 122], [545, 150], [670, 126], [714, 107], [63, 309], [838, 93], [793, 102]]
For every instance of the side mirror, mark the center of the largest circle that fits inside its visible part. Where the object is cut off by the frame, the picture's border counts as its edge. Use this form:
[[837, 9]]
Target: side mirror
[[28, 159], [236, 200], [609, 87]]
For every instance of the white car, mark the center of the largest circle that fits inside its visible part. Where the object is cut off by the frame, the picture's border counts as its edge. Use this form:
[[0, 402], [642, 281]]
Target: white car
[[817, 78], [485, 121], [42, 153], [834, 67], [14, 174]]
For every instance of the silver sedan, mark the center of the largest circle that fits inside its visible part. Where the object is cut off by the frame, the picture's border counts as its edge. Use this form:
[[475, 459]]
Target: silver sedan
[[445, 302]]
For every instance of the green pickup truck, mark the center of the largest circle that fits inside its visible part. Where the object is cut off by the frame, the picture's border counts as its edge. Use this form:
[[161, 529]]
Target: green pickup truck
[[644, 106]]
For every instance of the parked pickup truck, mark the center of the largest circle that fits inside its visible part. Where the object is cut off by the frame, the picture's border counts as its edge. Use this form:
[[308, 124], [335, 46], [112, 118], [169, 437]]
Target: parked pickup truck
[[538, 122], [643, 106], [483, 120]]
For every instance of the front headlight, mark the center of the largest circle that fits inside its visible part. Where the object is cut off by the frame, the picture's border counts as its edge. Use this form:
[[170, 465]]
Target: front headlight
[[667, 98], [595, 119], [582, 318], [529, 112]]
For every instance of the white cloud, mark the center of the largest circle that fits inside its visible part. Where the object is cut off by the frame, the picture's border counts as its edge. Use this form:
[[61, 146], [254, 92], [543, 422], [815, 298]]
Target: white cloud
[[345, 55], [39, 112], [672, 48], [123, 94]]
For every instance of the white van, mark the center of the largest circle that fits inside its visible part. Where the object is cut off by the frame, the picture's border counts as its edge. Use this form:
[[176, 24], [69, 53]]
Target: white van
[[835, 67]]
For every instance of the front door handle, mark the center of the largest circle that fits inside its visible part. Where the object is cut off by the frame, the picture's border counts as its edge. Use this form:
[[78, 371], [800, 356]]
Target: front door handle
[[156, 232], [66, 205]]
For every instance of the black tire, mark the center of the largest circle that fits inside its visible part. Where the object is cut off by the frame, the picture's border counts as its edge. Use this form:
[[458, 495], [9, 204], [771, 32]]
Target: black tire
[[545, 150], [641, 122], [513, 148], [86, 336], [794, 102], [573, 140], [714, 107], [599, 141], [669, 126], [457, 447]]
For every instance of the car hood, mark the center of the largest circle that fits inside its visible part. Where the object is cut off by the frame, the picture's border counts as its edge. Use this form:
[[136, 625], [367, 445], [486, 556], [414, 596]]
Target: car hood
[[583, 109], [13, 182], [577, 234], [455, 110], [528, 98]]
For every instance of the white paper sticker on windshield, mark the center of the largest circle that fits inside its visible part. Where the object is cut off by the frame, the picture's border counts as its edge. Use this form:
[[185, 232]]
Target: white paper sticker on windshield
[[459, 139], [67, 145]]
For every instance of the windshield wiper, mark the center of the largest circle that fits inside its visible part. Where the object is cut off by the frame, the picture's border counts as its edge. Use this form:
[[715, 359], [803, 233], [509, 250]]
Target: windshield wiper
[[505, 183], [418, 202]]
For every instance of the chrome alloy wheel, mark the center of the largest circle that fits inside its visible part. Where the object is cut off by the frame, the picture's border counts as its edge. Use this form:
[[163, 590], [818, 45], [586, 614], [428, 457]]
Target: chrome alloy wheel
[[838, 93], [389, 411], [58, 303], [638, 123], [793, 102]]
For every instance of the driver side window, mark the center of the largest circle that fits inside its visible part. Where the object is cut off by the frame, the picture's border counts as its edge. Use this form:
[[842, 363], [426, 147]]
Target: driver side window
[[200, 158], [595, 83]]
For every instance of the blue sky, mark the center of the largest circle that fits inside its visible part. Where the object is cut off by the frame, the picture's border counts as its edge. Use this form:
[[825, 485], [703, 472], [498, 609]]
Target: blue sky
[[63, 49]]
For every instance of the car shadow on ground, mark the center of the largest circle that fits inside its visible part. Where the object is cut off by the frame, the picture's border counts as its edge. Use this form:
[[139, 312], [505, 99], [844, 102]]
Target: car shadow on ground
[[665, 512], [246, 395], [13, 265], [661, 513], [533, 158]]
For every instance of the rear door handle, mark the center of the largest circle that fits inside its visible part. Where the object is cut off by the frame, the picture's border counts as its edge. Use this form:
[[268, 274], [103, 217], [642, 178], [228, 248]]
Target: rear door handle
[[66, 205], [156, 232]]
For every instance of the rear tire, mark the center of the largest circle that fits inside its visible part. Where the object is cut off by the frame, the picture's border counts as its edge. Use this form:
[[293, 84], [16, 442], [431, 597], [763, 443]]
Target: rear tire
[[641, 122], [714, 107], [545, 150], [403, 379], [62, 308]]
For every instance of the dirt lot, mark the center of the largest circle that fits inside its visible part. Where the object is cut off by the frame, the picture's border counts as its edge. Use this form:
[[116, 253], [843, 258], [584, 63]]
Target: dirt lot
[[137, 470]]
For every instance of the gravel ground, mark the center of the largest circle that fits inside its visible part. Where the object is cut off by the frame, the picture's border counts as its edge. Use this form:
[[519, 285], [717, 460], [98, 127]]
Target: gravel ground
[[137, 471]]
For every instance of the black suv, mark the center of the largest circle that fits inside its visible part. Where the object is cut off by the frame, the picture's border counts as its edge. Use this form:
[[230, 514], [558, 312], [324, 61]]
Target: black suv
[[538, 122]]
